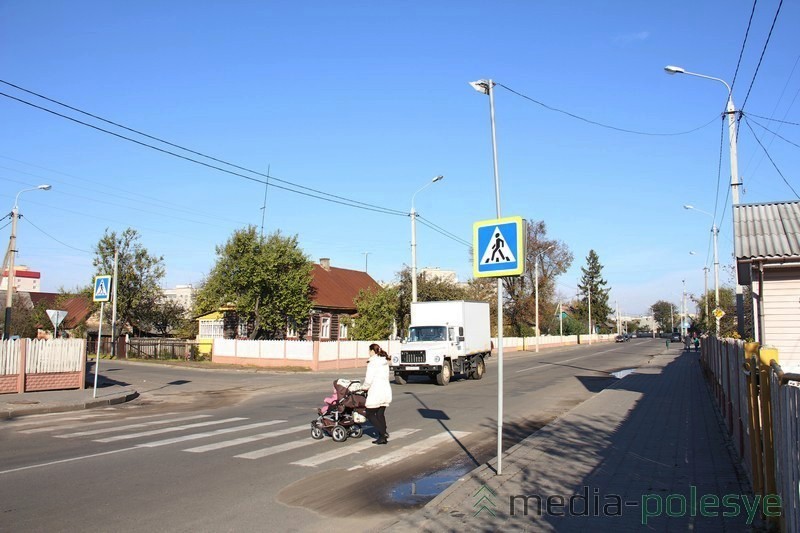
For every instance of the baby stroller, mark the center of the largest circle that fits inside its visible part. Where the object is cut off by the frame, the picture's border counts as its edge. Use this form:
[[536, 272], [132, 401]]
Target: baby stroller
[[343, 413]]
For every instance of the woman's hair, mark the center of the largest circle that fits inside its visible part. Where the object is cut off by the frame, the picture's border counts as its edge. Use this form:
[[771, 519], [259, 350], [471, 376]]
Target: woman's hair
[[377, 350]]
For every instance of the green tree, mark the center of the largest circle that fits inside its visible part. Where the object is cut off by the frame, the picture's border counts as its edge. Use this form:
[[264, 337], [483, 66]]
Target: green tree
[[166, 316], [664, 315], [592, 285], [266, 280], [376, 312], [139, 276], [727, 302]]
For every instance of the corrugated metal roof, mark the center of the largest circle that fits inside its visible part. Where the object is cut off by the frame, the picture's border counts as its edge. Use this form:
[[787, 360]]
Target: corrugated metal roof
[[767, 231], [337, 288]]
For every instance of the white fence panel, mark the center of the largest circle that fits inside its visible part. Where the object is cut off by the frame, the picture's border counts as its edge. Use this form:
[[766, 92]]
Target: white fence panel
[[329, 351], [224, 347], [246, 348], [272, 349], [303, 350], [9, 357], [56, 355]]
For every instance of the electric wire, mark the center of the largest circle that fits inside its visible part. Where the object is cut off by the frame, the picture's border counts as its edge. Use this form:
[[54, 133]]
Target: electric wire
[[771, 160], [755, 74], [744, 42], [320, 195], [444, 231], [774, 119], [776, 134], [28, 220], [589, 121]]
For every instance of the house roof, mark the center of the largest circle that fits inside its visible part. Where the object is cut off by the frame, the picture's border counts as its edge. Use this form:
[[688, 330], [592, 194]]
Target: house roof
[[78, 308], [337, 288], [769, 231]]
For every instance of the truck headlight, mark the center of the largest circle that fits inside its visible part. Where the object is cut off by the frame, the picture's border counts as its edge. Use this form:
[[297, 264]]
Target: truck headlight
[[395, 360], [437, 359]]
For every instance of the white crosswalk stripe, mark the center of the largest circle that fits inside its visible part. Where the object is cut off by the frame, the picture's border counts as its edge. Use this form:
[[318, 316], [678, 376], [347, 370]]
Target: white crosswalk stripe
[[272, 450], [76, 422], [410, 450], [349, 449], [167, 430], [129, 426], [195, 436], [247, 440]]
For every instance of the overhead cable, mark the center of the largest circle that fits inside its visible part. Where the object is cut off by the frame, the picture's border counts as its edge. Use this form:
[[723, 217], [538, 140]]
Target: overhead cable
[[741, 52], [770, 158], [769, 35]]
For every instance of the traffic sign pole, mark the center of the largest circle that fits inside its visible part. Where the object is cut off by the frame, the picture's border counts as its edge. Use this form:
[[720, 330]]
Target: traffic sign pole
[[97, 359]]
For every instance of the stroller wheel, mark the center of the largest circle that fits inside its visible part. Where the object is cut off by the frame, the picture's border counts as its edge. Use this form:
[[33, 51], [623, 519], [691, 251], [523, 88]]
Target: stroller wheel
[[317, 433], [356, 431], [339, 433]]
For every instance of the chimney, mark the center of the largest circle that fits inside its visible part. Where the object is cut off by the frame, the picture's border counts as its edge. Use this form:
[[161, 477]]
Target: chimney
[[325, 263]]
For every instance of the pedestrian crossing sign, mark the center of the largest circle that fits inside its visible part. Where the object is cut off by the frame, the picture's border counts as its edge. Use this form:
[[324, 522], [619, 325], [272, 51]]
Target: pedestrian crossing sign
[[498, 247], [102, 289]]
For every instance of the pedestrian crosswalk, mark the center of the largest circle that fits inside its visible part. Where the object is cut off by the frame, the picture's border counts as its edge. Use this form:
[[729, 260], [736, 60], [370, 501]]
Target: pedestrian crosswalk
[[240, 438]]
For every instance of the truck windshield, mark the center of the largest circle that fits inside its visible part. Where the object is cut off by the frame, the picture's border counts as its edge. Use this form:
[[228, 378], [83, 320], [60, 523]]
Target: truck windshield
[[428, 333]]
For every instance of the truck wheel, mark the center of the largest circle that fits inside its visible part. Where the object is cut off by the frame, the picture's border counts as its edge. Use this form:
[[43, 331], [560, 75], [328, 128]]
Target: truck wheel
[[480, 369], [400, 379], [443, 377]]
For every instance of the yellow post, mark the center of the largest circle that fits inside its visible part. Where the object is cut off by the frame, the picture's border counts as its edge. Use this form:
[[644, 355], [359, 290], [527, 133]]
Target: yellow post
[[754, 420], [767, 354]]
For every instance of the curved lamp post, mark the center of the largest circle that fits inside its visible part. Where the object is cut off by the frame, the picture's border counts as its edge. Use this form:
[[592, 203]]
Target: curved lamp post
[[714, 233], [414, 238], [12, 250]]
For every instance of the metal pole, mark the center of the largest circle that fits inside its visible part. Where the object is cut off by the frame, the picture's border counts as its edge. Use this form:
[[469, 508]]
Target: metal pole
[[12, 250], [413, 253], [97, 359], [536, 282], [114, 306], [561, 322], [733, 136], [590, 315], [715, 230]]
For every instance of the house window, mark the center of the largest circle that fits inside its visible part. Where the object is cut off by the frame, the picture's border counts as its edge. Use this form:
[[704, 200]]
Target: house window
[[211, 329], [342, 330], [291, 330], [325, 327], [241, 330]]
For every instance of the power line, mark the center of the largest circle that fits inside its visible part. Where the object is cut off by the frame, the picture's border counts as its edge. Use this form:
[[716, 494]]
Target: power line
[[320, 195], [655, 134], [774, 120], [51, 237], [772, 132], [769, 35], [746, 33], [771, 160], [443, 231]]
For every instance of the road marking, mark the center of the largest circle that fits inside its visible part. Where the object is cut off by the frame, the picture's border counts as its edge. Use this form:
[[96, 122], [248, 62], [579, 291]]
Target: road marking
[[272, 450], [206, 434], [245, 440], [81, 424], [350, 449], [167, 430], [129, 426], [417, 448], [71, 459]]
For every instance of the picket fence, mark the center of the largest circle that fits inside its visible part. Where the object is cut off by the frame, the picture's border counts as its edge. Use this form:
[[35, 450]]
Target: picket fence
[[42, 364]]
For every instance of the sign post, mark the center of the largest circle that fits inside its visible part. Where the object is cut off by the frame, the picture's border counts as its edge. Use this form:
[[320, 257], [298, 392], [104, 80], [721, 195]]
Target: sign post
[[56, 317], [102, 294], [498, 248]]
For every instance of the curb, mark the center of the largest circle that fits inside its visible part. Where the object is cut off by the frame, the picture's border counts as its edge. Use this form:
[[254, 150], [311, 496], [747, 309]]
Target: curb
[[78, 406]]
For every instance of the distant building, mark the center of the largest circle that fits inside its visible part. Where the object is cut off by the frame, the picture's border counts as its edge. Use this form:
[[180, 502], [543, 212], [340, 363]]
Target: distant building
[[181, 294], [448, 276], [25, 280]]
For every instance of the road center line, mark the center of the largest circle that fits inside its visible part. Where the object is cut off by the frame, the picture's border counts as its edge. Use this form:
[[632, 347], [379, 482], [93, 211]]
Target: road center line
[[71, 459]]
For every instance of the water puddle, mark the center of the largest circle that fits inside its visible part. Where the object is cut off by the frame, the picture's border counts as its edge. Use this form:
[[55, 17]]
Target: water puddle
[[619, 374], [427, 487]]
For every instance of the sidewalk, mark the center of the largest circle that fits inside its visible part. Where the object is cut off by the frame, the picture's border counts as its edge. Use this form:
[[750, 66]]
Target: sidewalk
[[33, 403], [646, 453]]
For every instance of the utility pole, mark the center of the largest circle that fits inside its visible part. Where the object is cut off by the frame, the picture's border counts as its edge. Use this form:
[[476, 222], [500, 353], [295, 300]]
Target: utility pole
[[264, 207], [114, 305], [590, 315], [366, 260]]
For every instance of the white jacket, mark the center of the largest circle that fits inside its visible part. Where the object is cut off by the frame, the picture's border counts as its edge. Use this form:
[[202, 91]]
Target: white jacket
[[379, 392]]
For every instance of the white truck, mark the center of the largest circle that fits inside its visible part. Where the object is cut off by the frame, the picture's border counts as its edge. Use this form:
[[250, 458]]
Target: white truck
[[445, 338]]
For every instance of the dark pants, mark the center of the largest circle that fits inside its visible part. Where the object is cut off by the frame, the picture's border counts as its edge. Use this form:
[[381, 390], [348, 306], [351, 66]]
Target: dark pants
[[377, 418]]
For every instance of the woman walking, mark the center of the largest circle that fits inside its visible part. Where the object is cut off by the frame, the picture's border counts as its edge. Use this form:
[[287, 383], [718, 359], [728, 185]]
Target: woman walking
[[379, 392]]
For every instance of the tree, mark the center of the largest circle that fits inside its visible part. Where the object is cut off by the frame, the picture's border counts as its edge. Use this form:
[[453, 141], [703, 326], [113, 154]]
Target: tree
[[591, 287], [139, 276], [267, 281], [664, 315], [376, 310], [428, 290], [727, 302], [166, 316]]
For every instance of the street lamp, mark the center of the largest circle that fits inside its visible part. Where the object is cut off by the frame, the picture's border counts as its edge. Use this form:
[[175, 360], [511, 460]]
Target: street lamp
[[705, 288], [487, 87], [714, 233], [10, 253], [732, 138], [414, 239]]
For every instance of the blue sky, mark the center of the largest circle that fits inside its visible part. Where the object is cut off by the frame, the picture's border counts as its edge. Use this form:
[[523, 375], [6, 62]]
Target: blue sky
[[370, 100]]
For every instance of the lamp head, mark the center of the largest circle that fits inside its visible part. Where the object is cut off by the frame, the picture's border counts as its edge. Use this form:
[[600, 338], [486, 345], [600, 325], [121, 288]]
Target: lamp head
[[437, 178], [482, 86], [671, 69], [688, 207], [45, 187], [692, 253]]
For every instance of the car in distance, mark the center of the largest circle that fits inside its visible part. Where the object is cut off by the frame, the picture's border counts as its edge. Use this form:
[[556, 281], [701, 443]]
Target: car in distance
[[676, 337], [619, 338]]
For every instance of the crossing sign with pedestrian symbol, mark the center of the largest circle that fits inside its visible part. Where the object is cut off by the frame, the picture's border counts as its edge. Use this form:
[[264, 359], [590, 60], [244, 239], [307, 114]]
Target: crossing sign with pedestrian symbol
[[498, 247], [102, 289]]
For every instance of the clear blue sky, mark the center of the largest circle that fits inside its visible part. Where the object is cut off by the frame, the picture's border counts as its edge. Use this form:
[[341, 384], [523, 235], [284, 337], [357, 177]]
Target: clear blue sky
[[369, 101]]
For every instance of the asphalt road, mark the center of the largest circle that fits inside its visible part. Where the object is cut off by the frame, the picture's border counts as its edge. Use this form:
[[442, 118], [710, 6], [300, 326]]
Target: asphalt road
[[231, 451]]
